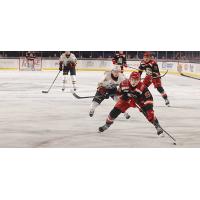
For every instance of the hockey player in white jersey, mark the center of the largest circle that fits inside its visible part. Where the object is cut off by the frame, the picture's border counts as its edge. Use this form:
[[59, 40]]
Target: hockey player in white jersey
[[106, 88], [67, 63]]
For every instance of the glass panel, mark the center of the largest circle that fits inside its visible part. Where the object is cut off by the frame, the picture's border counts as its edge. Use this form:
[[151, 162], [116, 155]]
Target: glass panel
[[11, 54], [1, 54], [109, 54], [170, 55], [131, 54], [141, 54], [76, 53], [161, 55], [97, 54], [85, 54]]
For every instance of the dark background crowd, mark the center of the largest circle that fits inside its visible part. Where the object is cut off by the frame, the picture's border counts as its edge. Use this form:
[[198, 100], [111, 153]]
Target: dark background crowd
[[130, 55]]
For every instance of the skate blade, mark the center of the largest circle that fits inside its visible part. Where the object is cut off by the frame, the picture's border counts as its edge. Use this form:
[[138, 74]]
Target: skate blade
[[161, 135]]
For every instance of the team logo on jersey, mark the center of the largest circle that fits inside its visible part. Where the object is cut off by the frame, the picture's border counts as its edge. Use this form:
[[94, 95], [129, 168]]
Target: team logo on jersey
[[147, 94], [148, 71]]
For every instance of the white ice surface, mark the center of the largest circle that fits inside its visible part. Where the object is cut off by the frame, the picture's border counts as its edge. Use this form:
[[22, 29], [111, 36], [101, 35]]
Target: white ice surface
[[29, 118]]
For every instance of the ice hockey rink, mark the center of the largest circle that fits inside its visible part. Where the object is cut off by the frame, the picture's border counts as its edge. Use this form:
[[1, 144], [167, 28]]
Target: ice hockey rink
[[30, 118]]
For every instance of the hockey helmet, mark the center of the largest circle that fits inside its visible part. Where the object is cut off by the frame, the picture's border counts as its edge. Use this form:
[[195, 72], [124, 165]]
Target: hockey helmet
[[147, 57], [116, 70], [67, 53], [147, 54], [134, 78]]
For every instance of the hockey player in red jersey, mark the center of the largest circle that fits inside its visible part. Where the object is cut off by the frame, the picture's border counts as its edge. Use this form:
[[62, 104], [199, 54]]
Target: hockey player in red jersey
[[120, 59], [133, 93], [152, 71]]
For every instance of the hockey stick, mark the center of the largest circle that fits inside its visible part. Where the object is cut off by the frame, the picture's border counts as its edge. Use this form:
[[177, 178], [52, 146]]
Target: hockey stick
[[189, 76], [80, 97], [85, 97], [47, 91], [161, 75], [170, 136], [135, 68], [153, 72]]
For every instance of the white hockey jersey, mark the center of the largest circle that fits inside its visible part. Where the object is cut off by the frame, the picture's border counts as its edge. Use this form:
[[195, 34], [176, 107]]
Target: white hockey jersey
[[109, 82], [72, 58]]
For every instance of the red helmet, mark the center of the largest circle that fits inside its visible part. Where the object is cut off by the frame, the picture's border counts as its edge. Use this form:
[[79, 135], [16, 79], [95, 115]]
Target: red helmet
[[134, 78], [147, 54]]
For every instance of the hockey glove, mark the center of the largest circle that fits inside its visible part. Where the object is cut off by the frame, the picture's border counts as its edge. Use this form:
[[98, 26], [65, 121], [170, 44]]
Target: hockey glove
[[113, 61], [60, 68], [107, 95], [101, 90]]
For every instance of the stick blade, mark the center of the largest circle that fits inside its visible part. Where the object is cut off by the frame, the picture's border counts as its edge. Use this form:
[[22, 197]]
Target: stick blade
[[44, 91], [74, 94]]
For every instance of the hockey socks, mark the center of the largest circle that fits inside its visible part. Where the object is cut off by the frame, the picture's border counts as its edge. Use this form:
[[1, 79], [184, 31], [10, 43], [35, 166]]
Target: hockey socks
[[164, 95], [115, 112], [93, 106]]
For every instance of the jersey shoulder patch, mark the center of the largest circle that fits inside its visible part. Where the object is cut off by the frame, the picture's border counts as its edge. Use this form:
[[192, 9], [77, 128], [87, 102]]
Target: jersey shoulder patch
[[153, 62]]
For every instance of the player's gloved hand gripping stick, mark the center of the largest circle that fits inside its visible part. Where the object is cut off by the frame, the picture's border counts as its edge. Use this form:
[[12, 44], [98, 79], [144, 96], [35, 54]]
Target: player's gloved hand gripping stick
[[153, 72]]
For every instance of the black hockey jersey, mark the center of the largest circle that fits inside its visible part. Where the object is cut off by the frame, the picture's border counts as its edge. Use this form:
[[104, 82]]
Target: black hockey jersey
[[151, 68]]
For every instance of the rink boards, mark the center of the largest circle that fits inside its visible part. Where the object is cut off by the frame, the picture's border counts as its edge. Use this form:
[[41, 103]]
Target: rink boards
[[192, 69]]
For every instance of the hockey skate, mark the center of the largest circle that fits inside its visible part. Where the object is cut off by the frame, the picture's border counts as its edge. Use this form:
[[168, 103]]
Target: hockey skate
[[63, 89], [91, 113], [74, 87], [167, 102], [127, 116], [159, 131], [104, 127]]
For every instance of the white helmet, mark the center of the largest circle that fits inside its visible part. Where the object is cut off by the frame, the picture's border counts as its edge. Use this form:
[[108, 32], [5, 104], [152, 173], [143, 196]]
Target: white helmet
[[116, 71], [67, 53], [116, 68]]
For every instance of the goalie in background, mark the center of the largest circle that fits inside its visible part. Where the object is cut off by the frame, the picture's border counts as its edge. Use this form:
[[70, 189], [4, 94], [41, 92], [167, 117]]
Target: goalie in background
[[67, 63]]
